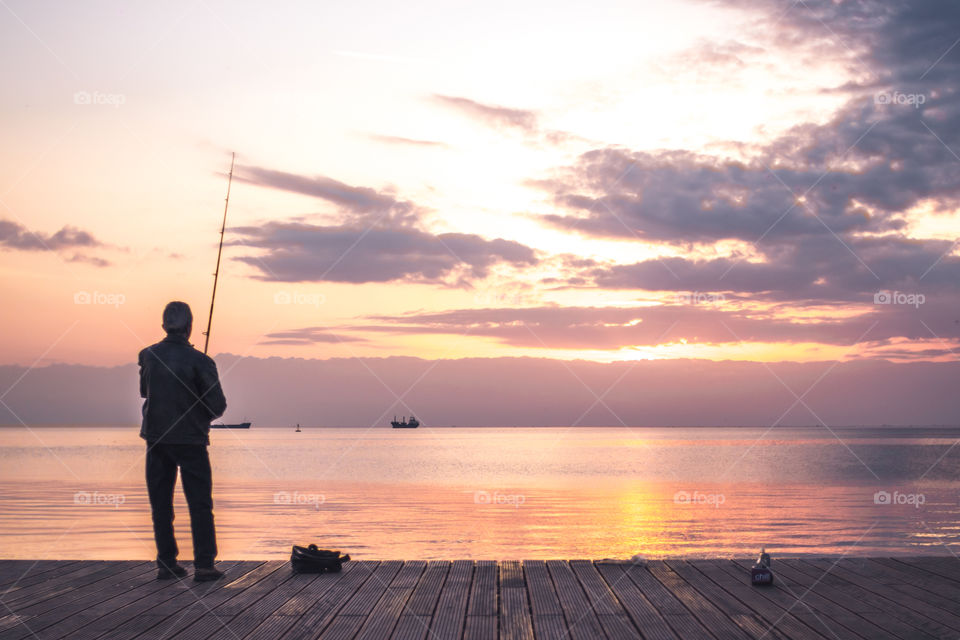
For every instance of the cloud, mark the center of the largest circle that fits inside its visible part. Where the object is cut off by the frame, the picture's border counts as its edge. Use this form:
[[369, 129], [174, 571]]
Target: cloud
[[17, 236], [710, 62], [492, 115], [397, 140], [14, 235], [299, 252], [94, 260], [503, 118], [824, 269], [378, 238], [680, 197], [824, 208], [362, 205], [896, 354], [306, 336], [713, 321]]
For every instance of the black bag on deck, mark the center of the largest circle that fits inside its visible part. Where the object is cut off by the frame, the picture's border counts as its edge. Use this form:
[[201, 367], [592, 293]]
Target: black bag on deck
[[313, 560]]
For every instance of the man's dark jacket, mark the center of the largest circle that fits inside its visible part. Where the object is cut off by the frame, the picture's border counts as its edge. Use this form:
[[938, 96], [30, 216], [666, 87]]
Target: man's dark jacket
[[182, 392]]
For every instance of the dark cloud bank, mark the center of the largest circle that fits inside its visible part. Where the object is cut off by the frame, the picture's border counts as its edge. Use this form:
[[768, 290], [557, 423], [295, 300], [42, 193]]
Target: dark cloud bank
[[516, 391], [824, 205]]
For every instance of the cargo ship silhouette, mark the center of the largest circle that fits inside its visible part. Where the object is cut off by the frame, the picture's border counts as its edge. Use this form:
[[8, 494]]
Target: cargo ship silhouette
[[412, 423], [239, 425]]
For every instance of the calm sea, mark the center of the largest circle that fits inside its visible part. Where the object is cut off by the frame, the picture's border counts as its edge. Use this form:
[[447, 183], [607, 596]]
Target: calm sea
[[498, 493]]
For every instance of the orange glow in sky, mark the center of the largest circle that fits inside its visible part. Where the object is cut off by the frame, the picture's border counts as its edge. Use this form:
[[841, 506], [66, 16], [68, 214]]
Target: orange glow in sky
[[118, 122]]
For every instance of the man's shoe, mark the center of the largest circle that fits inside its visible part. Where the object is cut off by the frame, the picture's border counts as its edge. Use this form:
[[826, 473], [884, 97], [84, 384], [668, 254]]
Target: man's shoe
[[207, 575], [171, 572]]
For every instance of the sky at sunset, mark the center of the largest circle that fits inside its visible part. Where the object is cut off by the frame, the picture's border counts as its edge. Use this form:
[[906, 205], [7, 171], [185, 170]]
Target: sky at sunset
[[607, 181]]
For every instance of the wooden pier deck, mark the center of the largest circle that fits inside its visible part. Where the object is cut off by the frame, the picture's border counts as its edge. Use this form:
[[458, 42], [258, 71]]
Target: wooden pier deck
[[904, 598]]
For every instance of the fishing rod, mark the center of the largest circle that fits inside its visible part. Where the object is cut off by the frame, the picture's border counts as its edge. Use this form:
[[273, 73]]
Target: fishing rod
[[216, 274]]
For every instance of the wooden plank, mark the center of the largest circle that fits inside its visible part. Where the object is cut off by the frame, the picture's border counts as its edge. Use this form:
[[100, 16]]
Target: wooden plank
[[113, 622], [12, 571], [276, 572], [548, 620], [901, 606], [515, 620], [856, 599], [599, 595], [315, 619], [550, 627], [543, 595], [940, 606], [165, 618], [56, 593], [712, 617], [87, 618], [448, 619], [351, 616], [386, 614], [61, 606], [479, 628], [751, 624], [947, 567], [610, 612], [209, 595], [789, 598], [342, 628], [822, 600], [250, 619], [419, 608], [273, 601], [29, 585], [412, 628], [135, 626], [774, 617], [204, 627], [424, 598], [321, 583], [680, 620], [581, 620], [483, 592], [618, 627], [812, 599], [366, 598], [919, 577], [283, 618], [58, 621], [54, 621], [641, 611]]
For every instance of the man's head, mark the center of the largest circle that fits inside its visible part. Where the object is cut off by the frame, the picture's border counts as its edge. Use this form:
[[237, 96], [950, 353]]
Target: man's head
[[177, 319]]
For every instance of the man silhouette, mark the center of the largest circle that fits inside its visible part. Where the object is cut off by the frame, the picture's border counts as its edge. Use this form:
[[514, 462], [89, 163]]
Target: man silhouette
[[182, 395]]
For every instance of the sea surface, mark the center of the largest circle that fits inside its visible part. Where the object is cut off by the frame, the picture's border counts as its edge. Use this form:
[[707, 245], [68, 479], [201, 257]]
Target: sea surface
[[498, 493]]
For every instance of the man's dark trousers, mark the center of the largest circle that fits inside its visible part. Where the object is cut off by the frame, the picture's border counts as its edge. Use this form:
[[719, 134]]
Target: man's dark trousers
[[194, 464]]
